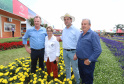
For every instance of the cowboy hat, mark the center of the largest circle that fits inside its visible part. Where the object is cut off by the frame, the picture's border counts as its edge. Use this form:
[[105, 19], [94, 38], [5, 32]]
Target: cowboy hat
[[68, 15]]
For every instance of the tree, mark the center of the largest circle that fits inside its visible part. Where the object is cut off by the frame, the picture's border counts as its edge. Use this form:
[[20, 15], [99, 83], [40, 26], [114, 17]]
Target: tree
[[31, 20], [119, 26], [45, 25]]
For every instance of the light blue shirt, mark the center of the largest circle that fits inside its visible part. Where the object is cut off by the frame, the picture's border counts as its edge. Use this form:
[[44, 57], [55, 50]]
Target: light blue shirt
[[70, 37], [37, 38]]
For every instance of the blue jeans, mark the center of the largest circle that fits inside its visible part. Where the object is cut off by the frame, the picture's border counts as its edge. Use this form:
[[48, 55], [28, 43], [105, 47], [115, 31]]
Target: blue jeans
[[68, 60]]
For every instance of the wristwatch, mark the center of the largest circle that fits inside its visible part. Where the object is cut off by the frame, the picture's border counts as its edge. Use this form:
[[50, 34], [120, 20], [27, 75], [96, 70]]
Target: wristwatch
[[89, 61]]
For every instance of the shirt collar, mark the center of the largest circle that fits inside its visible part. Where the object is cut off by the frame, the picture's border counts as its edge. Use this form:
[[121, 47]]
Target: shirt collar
[[69, 27], [39, 29], [52, 36], [87, 31]]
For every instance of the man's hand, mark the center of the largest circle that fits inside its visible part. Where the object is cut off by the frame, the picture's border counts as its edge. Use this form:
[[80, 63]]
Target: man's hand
[[75, 57], [28, 49], [57, 59], [86, 62], [58, 38]]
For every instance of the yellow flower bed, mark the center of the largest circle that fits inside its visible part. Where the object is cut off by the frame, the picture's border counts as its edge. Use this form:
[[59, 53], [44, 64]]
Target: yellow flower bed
[[19, 72]]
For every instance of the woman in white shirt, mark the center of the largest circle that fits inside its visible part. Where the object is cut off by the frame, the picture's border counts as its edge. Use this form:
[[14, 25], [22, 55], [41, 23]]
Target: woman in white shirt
[[52, 51]]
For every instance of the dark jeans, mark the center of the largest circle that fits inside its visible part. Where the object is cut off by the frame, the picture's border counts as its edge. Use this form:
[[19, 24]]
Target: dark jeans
[[35, 54], [12, 33], [86, 71]]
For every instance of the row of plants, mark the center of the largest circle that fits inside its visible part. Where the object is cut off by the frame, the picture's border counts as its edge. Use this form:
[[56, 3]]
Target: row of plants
[[19, 72], [117, 48], [11, 45], [118, 38], [9, 40], [107, 71]]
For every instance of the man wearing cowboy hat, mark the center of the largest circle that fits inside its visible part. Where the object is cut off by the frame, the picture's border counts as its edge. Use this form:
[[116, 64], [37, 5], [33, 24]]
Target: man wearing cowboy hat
[[69, 38]]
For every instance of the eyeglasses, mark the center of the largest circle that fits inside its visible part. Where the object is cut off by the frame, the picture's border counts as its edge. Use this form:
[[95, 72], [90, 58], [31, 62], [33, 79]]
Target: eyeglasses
[[49, 31]]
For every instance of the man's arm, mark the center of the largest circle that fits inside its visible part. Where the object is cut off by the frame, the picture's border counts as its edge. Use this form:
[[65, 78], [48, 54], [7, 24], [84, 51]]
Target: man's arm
[[96, 48], [57, 51], [58, 38], [24, 39], [27, 48]]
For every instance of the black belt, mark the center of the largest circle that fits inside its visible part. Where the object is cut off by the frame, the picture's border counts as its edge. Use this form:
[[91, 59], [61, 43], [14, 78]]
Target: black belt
[[69, 49], [82, 59], [37, 49]]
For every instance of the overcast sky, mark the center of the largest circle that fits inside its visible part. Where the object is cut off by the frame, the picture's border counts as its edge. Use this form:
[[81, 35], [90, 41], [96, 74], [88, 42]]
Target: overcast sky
[[104, 14]]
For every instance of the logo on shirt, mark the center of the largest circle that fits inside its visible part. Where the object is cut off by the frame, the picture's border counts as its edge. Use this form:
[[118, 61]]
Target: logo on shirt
[[52, 44]]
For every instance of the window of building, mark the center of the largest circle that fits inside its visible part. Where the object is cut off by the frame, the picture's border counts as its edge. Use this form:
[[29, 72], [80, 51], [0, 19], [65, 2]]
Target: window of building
[[8, 27]]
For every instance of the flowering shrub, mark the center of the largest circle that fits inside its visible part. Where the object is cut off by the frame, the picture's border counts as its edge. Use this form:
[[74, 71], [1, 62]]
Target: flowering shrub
[[19, 72], [5, 46], [117, 48]]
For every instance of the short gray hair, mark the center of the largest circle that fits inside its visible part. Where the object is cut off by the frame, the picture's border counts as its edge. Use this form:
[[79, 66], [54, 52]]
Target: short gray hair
[[87, 20], [37, 17]]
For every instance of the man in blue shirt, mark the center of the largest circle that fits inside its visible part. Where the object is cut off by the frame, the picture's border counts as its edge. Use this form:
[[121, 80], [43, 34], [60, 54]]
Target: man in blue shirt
[[87, 51], [69, 38], [37, 40]]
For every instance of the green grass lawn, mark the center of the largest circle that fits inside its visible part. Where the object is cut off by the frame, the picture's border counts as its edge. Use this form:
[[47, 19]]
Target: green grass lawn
[[107, 70], [10, 39], [9, 56]]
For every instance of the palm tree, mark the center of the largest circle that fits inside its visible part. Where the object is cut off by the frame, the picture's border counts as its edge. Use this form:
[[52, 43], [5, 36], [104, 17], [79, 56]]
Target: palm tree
[[119, 26], [31, 20]]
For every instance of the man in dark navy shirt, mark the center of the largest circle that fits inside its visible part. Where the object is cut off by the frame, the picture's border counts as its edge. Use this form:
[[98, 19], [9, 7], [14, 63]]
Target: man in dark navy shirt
[[87, 51]]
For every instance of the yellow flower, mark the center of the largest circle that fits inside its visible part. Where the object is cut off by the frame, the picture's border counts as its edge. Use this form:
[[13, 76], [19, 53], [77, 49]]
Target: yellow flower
[[26, 74], [45, 76], [51, 74], [14, 77], [39, 79], [1, 74], [31, 80], [24, 68], [5, 74], [61, 73], [64, 79], [27, 70], [55, 79], [5, 81], [42, 82], [10, 79], [36, 70], [63, 83], [39, 68], [11, 73], [34, 82], [23, 76], [35, 78], [1, 80], [11, 68], [21, 79], [70, 82], [34, 75]]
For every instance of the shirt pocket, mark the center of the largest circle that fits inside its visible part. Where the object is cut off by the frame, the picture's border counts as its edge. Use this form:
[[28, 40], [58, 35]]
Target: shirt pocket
[[52, 46], [86, 42]]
